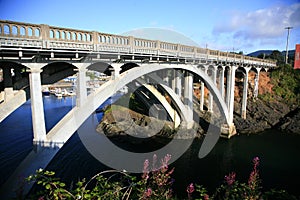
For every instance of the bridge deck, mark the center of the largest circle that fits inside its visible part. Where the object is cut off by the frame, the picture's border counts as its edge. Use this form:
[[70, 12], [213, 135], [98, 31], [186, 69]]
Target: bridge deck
[[40, 41]]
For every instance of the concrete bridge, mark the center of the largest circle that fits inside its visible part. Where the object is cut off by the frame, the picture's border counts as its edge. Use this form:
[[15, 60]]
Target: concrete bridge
[[36, 54]]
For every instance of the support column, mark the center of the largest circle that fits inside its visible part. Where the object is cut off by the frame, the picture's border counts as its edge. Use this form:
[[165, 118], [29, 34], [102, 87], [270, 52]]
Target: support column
[[228, 86], [188, 98], [211, 98], [245, 93], [202, 92], [37, 106], [231, 94], [173, 84], [256, 83], [81, 93], [178, 83], [8, 85], [202, 95], [165, 77], [222, 89]]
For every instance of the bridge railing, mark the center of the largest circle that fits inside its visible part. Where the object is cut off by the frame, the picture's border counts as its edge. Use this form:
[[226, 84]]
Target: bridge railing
[[18, 34]]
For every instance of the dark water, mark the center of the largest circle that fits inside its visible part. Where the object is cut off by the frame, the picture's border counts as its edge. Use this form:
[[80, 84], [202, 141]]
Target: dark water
[[278, 152]]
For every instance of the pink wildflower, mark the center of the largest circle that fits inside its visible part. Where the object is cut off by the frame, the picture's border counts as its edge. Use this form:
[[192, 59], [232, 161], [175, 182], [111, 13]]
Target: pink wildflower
[[206, 197], [154, 162], [146, 170], [230, 178], [148, 193], [190, 189], [254, 176], [165, 161]]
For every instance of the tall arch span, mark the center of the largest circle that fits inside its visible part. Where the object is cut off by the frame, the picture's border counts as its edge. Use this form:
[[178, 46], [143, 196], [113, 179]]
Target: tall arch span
[[65, 128]]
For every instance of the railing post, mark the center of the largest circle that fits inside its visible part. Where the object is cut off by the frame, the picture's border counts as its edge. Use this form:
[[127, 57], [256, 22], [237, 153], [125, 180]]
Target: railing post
[[158, 47], [131, 44], [45, 32], [95, 40]]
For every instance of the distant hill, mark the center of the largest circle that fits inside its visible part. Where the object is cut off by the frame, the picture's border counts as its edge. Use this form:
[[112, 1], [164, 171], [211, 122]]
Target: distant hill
[[268, 52]]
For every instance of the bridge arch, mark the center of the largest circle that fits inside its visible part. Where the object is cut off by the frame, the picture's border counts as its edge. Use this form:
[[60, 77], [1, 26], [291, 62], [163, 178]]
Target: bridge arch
[[71, 122], [128, 66], [56, 71], [15, 73], [101, 67]]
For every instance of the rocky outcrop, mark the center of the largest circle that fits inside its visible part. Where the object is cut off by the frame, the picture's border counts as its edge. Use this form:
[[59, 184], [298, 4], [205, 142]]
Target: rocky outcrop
[[291, 122], [260, 116], [122, 121]]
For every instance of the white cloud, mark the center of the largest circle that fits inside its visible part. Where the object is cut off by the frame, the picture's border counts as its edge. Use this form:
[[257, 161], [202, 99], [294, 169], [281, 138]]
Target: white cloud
[[261, 24]]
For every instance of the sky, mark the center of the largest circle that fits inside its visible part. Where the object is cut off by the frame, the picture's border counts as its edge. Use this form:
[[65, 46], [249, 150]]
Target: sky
[[235, 25]]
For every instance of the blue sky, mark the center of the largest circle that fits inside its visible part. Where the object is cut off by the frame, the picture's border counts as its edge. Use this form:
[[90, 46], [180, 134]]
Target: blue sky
[[224, 25]]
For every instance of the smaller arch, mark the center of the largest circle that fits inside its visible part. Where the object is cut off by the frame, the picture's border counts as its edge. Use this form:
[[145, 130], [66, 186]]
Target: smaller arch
[[6, 29], [79, 36], [101, 67], [51, 34], [128, 66], [63, 35], [84, 37], [0, 29], [14, 30], [88, 37], [103, 39], [74, 36], [22, 31], [30, 31], [57, 34], [37, 32], [68, 35]]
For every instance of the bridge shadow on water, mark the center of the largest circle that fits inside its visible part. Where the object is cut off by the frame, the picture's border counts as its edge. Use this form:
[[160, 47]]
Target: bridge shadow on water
[[278, 153]]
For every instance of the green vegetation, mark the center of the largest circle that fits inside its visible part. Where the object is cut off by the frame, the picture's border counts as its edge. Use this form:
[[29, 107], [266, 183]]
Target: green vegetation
[[286, 81], [155, 184]]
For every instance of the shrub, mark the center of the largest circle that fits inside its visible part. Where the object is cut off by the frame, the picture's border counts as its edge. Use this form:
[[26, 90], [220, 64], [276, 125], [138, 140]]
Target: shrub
[[154, 184]]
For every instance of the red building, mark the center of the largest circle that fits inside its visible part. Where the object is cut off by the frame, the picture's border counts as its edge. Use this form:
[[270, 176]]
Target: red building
[[297, 57]]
